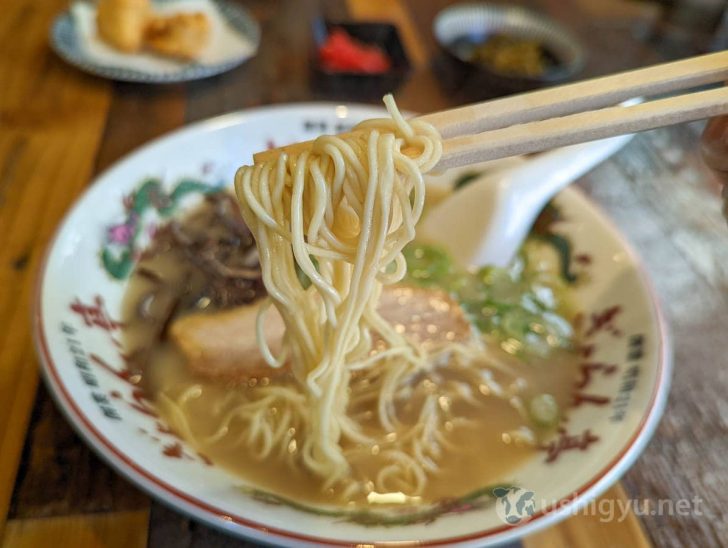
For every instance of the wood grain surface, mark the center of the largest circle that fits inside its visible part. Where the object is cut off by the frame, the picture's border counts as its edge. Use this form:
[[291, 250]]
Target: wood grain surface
[[52, 122], [59, 127], [109, 530]]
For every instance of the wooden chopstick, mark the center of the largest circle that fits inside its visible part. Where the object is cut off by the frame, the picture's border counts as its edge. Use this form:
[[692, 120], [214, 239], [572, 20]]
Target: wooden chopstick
[[574, 113], [582, 96], [581, 127]]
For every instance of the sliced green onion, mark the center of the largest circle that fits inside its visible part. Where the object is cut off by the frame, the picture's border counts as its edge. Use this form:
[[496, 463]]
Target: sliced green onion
[[544, 410]]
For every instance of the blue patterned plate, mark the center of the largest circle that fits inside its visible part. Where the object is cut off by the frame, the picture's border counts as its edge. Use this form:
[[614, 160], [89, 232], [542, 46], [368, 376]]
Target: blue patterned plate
[[66, 41]]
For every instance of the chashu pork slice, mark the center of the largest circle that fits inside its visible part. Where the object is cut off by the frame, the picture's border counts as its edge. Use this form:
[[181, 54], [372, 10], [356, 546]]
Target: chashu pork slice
[[222, 345]]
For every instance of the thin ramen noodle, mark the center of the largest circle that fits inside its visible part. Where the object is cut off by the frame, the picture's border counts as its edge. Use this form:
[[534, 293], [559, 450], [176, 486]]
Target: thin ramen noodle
[[361, 396]]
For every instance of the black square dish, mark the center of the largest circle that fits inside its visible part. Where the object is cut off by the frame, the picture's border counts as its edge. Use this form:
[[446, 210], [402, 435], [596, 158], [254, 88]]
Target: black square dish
[[383, 35]]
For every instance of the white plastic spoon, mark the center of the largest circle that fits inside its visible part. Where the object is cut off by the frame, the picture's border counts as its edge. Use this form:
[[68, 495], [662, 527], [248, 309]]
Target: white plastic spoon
[[486, 222]]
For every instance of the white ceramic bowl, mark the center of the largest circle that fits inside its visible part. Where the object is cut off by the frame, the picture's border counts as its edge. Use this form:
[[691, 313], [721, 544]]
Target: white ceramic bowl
[[78, 302]]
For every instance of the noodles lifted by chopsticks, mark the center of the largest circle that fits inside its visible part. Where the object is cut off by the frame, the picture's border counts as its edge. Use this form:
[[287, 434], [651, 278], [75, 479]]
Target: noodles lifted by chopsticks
[[416, 390], [340, 213]]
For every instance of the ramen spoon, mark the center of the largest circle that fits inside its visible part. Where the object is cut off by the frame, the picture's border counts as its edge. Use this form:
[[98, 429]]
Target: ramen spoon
[[486, 221]]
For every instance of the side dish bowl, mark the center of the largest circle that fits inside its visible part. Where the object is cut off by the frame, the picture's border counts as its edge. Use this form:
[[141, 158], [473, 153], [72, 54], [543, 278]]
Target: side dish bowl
[[383, 36], [462, 28]]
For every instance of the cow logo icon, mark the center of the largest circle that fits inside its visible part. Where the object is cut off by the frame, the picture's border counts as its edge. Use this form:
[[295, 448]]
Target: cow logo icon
[[514, 505]]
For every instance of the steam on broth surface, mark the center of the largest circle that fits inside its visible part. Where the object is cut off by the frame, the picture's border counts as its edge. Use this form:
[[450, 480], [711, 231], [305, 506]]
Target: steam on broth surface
[[488, 423]]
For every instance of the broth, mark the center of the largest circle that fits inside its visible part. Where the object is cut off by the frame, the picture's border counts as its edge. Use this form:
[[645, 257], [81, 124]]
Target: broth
[[482, 444]]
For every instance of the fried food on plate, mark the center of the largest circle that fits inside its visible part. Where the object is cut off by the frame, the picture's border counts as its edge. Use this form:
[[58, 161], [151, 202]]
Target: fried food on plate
[[121, 23], [183, 35]]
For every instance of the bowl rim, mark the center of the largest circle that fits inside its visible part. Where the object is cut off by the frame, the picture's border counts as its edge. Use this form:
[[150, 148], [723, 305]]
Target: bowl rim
[[239, 525]]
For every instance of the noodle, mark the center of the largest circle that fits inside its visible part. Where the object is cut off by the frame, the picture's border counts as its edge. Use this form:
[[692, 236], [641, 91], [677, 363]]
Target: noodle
[[340, 214], [363, 396]]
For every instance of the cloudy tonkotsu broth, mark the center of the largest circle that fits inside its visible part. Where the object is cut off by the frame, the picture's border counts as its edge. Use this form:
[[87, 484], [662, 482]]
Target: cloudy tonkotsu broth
[[206, 263]]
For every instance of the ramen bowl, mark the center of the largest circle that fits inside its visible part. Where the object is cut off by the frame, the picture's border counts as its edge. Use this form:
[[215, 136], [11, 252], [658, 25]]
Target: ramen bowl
[[616, 402]]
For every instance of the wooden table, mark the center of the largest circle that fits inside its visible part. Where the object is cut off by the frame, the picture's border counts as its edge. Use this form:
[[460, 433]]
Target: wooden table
[[60, 127]]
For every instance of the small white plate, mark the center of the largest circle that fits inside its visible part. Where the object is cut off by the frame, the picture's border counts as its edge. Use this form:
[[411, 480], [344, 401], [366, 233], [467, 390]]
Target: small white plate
[[67, 41], [78, 301]]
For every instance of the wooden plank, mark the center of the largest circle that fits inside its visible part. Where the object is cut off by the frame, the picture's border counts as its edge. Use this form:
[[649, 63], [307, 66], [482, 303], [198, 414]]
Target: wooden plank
[[59, 475], [113, 530], [169, 529], [627, 12], [598, 525], [137, 115], [52, 118], [393, 11], [609, 47]]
